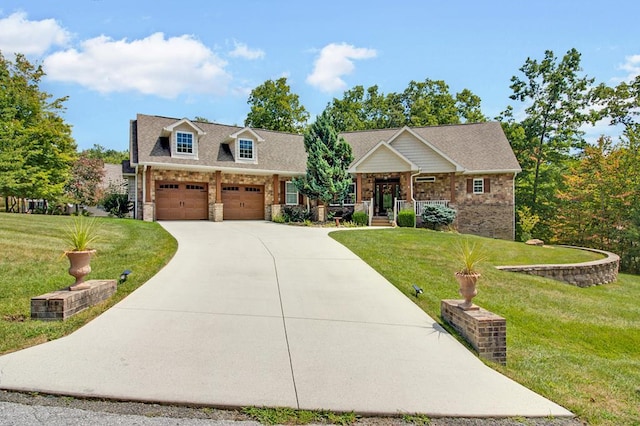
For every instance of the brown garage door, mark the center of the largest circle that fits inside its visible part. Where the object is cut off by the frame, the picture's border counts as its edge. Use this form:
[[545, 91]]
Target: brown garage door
[[182, 201], [243, 202]]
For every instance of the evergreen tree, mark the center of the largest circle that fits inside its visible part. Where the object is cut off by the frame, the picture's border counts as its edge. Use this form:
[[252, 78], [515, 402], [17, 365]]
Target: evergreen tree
[[329, 157]]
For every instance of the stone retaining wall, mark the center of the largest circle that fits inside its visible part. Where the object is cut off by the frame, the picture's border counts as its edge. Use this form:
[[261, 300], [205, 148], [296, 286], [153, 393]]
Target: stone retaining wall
[[602, 271]]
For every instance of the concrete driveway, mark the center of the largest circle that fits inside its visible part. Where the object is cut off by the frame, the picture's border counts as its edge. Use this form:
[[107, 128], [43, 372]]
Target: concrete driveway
[[255, 313]]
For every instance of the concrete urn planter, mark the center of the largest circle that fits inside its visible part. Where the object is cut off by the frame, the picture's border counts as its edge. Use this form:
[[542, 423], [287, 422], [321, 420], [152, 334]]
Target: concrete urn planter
[[80, 267], [467, 289]]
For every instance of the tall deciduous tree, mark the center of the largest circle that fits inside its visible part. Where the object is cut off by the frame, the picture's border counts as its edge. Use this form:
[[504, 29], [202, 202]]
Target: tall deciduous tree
[[424, 103], [556, 96], [329, 157], [600, 206], [274, 107], [36, 147]]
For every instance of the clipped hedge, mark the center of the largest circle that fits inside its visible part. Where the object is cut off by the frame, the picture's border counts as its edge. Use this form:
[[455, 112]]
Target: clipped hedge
[[360, 218], [406, 219]]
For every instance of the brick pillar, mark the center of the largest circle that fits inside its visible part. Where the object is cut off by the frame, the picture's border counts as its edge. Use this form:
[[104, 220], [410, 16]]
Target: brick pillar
[[484, 330], [276, 190], [452, 185], [218, 187]]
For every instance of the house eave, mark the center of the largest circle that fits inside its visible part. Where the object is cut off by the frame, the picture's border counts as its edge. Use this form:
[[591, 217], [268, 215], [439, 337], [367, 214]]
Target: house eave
[[491, 172], [210, 169]]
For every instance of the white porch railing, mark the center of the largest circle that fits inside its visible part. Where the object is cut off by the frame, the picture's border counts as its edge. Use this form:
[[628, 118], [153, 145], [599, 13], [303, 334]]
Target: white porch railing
[[418, 205]]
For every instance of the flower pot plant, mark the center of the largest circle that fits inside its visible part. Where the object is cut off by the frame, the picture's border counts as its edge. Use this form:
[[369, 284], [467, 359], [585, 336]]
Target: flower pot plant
[[470, 255], [79, 237]]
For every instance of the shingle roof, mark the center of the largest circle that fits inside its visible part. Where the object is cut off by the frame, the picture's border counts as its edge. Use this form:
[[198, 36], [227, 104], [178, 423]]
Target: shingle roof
[[479, 147], [476, 147], [279, 151]]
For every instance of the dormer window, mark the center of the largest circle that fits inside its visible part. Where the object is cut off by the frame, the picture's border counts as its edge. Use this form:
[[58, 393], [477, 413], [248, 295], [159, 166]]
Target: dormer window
[[245, 149], [184, 143], [184, 137]]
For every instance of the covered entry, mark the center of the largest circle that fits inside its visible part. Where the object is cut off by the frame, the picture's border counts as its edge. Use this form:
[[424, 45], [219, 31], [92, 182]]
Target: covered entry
[[182, 200], [243, 202]]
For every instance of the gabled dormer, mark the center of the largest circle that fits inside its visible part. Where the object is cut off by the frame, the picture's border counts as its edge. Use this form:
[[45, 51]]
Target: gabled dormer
[[244, 145], [184, 137]]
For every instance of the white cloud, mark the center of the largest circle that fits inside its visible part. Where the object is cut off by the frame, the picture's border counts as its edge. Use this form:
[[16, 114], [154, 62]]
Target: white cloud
[[336, 60], [631, 66], [19, 35], [152, 66], [243, 51]]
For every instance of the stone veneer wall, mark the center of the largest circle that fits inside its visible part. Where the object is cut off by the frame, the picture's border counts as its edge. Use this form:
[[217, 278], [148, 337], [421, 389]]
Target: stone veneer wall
[[484, 330], [602, 271], [438, 190], [490, 214]]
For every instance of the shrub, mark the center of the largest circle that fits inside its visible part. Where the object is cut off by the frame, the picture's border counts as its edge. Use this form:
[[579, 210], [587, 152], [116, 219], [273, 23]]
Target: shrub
[[436, 215], [117, 204], [527, 221], [296, 214], [279, 219], [406, 218], [360, 218]]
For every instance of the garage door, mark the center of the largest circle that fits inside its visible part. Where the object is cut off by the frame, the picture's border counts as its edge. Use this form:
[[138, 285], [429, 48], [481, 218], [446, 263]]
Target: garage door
[[182, 201], [243, 202]]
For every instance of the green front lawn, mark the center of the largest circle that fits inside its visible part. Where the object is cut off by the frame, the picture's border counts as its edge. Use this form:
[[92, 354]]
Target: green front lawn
[[32, 263], [579, 347]]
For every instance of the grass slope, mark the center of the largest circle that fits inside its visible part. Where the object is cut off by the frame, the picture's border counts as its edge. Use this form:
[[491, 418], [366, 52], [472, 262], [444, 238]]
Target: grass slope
[[578, 347], [32, 263]]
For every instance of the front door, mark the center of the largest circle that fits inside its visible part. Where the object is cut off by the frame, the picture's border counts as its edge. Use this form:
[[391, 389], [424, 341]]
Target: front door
[[385, 192]]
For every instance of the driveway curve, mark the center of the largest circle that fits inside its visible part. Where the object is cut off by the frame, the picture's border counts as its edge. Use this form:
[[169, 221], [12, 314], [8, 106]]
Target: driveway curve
[[260, 314]]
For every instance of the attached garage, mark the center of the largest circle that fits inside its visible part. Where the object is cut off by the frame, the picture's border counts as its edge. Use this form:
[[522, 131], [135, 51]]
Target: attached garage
[[243, 202], [182, 201]]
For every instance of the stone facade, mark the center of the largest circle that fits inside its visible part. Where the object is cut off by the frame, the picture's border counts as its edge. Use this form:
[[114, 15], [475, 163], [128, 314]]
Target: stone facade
[[485, 331], [586, 274], [491, 214], [438, 190]]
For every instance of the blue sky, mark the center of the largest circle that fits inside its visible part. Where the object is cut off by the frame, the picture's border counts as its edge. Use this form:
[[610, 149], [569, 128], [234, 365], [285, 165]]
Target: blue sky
[[117, 58]]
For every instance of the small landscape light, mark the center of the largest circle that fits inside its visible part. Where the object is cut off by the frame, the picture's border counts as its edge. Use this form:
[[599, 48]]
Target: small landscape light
[[124, 275], [418, 290]]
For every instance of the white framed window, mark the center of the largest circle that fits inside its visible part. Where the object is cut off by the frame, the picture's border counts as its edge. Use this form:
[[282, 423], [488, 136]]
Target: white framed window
[[291, 194], [478, 186], [184, 143], [246, 149]]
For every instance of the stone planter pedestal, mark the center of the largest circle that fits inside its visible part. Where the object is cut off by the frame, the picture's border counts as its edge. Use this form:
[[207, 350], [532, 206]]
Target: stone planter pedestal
[[62, 304]]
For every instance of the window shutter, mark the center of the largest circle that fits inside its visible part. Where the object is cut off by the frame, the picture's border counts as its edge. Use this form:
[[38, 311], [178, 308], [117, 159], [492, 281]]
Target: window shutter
[[487, 185], [300, 199], [469, 186]]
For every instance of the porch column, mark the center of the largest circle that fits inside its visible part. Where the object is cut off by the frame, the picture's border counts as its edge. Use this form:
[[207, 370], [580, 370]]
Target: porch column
[[452, 179], [407, 178], [218, 187], [276, 189], [358, 188]]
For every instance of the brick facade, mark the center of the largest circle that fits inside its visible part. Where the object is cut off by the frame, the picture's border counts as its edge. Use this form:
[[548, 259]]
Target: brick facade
[[485, 331]]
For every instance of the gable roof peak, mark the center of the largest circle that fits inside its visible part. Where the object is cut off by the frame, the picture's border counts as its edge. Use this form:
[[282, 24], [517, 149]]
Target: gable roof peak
[[170, 128]]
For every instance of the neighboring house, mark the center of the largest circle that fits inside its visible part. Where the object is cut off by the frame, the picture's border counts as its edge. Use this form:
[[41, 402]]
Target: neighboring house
[[190, 170]]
